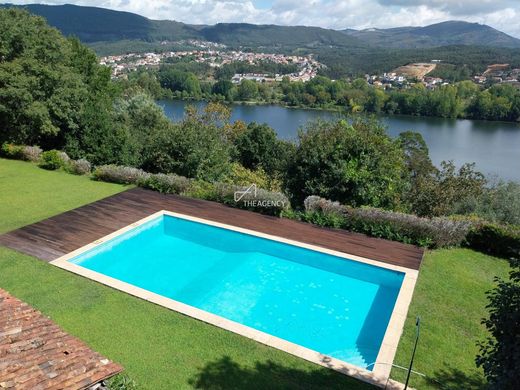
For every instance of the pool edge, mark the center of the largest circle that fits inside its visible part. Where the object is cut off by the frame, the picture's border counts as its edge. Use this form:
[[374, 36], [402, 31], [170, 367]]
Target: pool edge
[[379, 376]]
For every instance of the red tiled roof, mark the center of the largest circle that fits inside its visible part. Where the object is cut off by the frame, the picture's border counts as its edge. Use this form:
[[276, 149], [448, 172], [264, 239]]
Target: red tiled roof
[[35, 353]]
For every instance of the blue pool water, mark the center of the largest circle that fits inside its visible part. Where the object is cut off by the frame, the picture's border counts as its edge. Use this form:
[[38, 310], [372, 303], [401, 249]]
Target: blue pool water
[[329, 304]]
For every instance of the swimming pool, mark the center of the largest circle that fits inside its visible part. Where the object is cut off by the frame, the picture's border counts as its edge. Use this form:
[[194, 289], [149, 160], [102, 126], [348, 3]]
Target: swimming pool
[[320, 301]]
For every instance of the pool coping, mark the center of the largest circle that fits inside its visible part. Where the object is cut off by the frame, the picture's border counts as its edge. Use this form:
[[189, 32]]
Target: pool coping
[[379, 376]]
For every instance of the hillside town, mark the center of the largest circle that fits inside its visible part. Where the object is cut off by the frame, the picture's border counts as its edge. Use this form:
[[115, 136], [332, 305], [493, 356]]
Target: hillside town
[[405, 76], [307, 66]]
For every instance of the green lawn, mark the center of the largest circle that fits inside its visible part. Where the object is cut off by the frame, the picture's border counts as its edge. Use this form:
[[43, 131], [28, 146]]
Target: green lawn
[[29, 194], [450, 299], [161, 349]]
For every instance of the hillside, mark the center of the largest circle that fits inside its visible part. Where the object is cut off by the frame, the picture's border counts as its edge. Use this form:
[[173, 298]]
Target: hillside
[[440, 34], [93, 24], [346, 53]]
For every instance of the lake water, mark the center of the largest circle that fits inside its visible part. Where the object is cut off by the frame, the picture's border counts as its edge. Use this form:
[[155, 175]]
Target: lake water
[[493, 146]]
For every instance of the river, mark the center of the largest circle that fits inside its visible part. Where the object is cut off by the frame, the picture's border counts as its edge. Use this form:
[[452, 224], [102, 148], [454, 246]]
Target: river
[[493, 146]]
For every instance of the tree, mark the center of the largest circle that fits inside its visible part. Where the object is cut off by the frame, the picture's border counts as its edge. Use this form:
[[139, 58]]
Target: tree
[[499, 355], [258, 147], [247, 90], [421, 173], [42, 90], [224, 88], [353, 163], [195, 148], [179, 81]]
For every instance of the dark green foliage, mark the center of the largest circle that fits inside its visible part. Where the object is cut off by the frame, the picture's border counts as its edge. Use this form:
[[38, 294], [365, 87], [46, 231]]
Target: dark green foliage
[[223, 88], [356, 164], [194, 148], [497, 240], [247, 90], [179, 81], [51, 160], [500, 353], [259, 147], [226, 71], [41, 91]]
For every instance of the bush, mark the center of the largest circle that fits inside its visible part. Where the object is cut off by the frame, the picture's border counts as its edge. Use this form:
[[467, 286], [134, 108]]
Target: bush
[[31, 153], [201, 189], [497, 240], [240, 176], [12, 151], [120, 174], [407, 228], [168, 184], [52, 160], [259, 147], [121, 382], [499, 354], [262, 201], [79, 167], [355, 164]]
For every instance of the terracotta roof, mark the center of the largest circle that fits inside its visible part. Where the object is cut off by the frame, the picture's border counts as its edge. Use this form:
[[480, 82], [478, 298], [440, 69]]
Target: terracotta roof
[[35, 353]]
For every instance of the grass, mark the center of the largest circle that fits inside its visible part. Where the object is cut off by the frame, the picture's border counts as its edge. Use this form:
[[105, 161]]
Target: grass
[[29, 194], [450, 299], [159, 348], [163, 349]]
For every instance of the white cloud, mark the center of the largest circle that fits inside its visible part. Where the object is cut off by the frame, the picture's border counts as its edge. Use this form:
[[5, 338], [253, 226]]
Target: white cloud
[[339, 14]]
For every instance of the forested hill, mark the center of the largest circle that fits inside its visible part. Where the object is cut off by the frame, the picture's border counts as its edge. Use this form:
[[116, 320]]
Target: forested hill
[[92, 24], [440, 34]]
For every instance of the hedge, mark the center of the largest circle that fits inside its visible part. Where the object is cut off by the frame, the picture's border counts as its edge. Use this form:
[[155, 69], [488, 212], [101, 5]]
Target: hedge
[[266, 202], [407, 228], [496, 240]]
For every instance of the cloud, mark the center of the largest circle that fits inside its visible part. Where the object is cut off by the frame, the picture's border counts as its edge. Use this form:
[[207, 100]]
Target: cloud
[[338, 14]]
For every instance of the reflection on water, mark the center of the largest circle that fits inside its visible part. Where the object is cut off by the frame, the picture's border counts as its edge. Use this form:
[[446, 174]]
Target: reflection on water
[[494, 146]]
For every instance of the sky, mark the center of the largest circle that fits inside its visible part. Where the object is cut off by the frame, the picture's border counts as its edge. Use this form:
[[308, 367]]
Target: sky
[[503, 15]]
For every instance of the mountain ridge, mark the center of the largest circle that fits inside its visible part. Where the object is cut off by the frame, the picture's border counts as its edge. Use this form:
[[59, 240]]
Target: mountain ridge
[[451, 32], [94, 24]]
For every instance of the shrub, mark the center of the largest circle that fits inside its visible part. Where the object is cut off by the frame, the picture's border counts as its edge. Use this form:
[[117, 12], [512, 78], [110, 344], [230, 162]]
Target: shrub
[[259, 147], [31, 153], [355, 164], [499, 354], [191, 148], [497, 240], [12, 151], [168, 184], [262, 201], [120, 174], [121, 382], [51, 160], [79, 167], [435, 232], [201, 189], [64, 157], [240, 176]]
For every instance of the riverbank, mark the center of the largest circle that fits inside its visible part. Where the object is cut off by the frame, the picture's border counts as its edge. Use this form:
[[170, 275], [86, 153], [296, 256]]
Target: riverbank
[[493, 146]]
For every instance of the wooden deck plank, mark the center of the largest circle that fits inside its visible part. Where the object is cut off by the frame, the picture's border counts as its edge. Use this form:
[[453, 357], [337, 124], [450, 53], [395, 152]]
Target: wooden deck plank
[[63, 233]]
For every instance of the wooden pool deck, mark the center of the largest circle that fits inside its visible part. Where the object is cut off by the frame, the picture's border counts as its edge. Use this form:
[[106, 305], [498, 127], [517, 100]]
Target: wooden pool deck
[[56, 236]]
